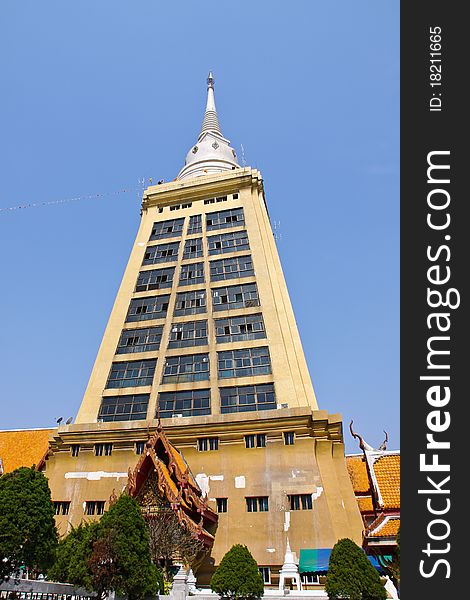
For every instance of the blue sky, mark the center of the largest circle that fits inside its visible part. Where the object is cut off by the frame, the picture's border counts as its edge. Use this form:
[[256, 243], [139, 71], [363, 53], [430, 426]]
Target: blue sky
[[97, 95]]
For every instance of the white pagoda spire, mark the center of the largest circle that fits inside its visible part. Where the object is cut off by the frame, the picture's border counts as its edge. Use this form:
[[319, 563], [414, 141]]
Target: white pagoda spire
[[212, 152]]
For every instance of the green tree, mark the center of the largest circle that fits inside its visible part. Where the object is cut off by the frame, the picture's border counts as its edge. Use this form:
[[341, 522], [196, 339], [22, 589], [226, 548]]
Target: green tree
[[350, 574], [136, 576], [28, 536], [73, 553], [238, 576]]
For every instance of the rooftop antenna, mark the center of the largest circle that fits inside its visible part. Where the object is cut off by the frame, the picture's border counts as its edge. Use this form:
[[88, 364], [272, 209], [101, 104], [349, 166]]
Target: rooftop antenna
[[243, 155]]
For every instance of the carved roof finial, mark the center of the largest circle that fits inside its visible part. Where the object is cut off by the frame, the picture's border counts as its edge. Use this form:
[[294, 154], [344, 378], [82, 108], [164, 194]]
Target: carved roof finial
[[363, 445], [383, 445]]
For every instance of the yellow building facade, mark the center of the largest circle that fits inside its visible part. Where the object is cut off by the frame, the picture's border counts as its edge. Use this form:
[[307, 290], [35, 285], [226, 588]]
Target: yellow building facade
[[202, 337]]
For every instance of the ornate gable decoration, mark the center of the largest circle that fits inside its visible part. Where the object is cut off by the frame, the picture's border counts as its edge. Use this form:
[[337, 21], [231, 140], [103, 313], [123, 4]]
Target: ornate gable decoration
[[162, 478]]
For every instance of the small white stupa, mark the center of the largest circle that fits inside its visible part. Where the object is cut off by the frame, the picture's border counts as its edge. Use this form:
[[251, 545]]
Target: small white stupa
[[289, 570]]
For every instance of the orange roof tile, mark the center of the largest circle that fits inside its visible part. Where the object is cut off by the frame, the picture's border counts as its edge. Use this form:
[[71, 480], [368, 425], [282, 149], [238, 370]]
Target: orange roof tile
[[358, 473], [23, 448], [387, 472], [389, 529], [365, 503]]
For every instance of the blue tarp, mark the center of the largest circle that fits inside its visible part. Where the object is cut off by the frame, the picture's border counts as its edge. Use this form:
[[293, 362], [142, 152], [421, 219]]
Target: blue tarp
[[315, 560]]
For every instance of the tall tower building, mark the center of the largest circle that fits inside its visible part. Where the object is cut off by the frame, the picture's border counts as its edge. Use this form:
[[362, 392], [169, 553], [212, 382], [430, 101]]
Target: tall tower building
[[202, 338]]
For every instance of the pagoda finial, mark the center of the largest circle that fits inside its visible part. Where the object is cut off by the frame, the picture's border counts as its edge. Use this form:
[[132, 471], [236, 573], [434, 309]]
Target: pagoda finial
[[211, 120]]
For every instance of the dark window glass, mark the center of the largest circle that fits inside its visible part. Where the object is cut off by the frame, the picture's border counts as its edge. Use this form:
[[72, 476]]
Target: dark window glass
[[247, 398], [192, 248], [189, 403], [190, 303], [195, 224], [301, 502], [191, 274], [99, 449], [255, 441], [140, 340], [205, 444], [139, 447], [75, 449], [161, 254], [232, 241], [144, 309], [235, 296], [289, 438], [124, 408], [193, 333], [266, 574], [61, 508], [257, 504], [225, 218], [221, 505], [244, 363], [181, 369], [131, 374], [167, 229], [231, 268], [155, 279], [236, 329]]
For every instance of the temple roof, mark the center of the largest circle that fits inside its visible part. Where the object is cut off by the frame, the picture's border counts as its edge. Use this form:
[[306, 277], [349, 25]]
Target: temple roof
[[23, 447], [176, 486]]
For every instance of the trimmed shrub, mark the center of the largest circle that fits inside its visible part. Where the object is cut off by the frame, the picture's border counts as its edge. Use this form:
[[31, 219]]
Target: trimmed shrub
[[238, 576]]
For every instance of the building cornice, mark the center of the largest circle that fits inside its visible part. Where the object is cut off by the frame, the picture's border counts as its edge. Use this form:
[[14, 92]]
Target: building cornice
[[198, 188]]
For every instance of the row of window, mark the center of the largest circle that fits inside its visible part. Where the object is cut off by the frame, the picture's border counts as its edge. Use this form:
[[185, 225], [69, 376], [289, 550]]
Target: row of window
[[253, 504], [203, 445], [207, 201], [191, 367], [191, 303], [215, 220], [193, 273], [189, 403], [223, 243]]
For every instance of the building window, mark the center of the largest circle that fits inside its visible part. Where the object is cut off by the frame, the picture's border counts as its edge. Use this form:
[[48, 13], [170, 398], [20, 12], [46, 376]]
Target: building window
[[205, 444], [185, 369], [235, 296], [289, 438], [192, 274], [144, 309], [255, 440], [235, 196], [94, 507], [74, 449], [61, 508], [183, 335], [237, 329], [192, 248], [103, 449], [213, 200], [190, 303], [310, 578], [266, 574], [175, 207], [232, 241], [187, 205], [300, 501], [257, 504], [155, 279], [225, 218], [124, 408], [167, 229], [190, 403], [231, 268], [161, 254], [247, 398], [139, 447], [244, 363], [139, 340], [131, 374], [195, 224], [221, 505]]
